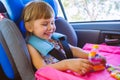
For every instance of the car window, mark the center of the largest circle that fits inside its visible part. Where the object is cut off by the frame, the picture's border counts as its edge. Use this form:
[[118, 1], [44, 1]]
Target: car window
[[90, 10]]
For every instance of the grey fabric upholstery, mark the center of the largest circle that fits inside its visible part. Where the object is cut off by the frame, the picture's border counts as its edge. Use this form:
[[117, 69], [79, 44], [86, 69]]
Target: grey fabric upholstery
[[62, 26], [16, 50]]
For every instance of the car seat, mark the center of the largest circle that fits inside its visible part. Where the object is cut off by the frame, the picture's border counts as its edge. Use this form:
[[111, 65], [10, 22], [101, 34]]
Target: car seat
[[15, 63], [12, 43], [14, 59]]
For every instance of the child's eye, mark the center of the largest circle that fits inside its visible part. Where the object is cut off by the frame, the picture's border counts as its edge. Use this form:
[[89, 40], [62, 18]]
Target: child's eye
[[45, 24], [52, 23]]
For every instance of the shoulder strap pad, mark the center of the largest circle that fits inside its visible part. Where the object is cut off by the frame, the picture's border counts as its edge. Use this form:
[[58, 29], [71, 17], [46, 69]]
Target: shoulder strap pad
[[58, 36], [43, 46]]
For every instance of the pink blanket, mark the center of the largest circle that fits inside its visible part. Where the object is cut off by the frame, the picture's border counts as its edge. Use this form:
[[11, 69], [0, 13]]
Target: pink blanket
[[111, 53], [49, 73]]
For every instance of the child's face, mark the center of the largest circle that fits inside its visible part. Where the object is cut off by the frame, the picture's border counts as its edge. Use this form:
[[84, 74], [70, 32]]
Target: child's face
[[44, 28]]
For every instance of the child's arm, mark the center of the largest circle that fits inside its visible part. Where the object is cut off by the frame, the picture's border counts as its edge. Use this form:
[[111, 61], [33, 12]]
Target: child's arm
[[36, 58], [78, 52], [38, 61], [80, 66]]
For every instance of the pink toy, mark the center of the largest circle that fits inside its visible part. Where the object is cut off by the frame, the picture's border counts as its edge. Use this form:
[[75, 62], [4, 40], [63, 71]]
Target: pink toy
[[96, 59]]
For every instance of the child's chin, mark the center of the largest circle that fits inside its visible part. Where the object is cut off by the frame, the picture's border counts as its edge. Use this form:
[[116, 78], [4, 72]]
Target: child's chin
[[48, 38]]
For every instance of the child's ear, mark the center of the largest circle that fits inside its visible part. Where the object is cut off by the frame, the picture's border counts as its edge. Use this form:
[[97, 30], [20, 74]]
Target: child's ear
[[28, 26]]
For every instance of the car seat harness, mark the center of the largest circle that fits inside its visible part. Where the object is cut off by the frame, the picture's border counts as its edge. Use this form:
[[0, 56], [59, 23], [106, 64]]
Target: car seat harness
[[45, 47]]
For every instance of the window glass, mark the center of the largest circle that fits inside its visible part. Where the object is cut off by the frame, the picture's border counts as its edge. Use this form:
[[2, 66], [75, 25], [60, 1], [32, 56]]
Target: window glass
[[60, 13], [91, 10]]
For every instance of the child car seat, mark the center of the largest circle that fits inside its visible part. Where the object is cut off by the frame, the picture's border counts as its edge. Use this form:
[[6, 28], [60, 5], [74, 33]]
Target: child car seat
[[13, 44]]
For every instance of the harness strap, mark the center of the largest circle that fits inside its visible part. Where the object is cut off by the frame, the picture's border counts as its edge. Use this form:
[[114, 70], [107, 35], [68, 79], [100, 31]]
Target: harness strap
[[63, 40], [66, 47], [57, 54], [45, 47]]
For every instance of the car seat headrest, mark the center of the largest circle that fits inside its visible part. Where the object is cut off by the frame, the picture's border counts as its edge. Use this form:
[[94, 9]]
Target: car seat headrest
[[26, 1], [65, 28], [53, 4], [14, 9]]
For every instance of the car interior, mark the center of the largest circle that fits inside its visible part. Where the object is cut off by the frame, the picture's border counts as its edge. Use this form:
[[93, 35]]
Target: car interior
[[15, 62]]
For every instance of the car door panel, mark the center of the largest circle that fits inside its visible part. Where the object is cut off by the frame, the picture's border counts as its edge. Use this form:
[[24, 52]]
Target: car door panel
[[96, 32]]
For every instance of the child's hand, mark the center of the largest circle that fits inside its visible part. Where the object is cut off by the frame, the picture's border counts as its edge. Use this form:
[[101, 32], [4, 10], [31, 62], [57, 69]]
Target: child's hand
[[81, 66]]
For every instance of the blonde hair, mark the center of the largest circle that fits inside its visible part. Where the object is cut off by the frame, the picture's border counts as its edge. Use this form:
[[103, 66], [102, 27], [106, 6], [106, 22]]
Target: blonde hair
[[37, 10]]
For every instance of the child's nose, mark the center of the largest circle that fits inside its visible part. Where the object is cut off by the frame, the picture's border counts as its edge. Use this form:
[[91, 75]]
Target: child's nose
[[50, 27]]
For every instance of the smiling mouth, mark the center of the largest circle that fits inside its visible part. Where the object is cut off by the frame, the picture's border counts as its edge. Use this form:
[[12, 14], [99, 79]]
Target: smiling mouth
[[49, 34]]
